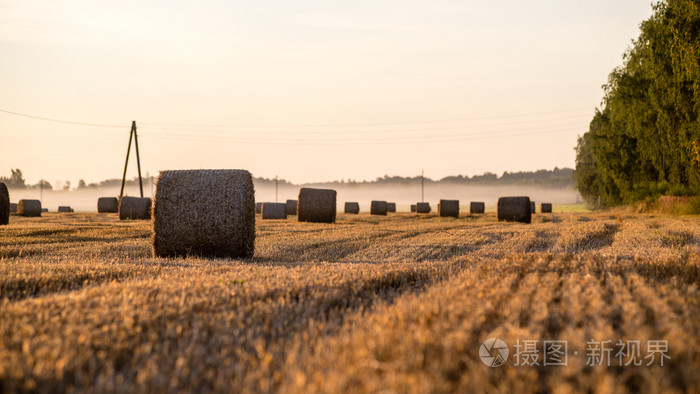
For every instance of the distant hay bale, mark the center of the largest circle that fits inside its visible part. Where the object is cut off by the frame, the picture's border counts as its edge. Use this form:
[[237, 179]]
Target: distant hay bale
[[448, 208], [291, 207], [316, 205], [391, 207], [45, 210], [532, 207], [352, 208], [274, 210], [4, 204], [258, 207], [205, 213], [514, 209], [477, 207], [423, 207], [378, 208], [135, 208], [65, 209], [107, 205], [413, 207], [29, 207], [546, 207], [13, 207]]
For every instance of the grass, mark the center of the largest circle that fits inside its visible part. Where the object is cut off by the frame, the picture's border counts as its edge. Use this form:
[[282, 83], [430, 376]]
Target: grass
[[400, 304]]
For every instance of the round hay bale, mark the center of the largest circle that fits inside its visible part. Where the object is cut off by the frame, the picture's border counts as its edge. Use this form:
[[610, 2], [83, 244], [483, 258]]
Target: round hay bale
[[135, 208], [413, 207], [258, 207], [532, 207], [391, 207], [29, 208], [477, 207], [514, 209], [4, 204], [352, 208], [291, 207], [205, 213], [274, 210], [316, 205], [43, 210], [64, 209], [423, 207], [378, 208], [13, 207], [448, 208], [546, 207], [107, 205]]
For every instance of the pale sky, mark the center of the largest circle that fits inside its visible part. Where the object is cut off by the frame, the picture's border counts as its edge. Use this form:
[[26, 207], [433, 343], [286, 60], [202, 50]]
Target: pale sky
[[306, 90]]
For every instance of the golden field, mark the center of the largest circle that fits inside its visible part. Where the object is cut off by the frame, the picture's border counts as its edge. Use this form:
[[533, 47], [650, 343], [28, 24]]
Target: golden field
[[392, 304]]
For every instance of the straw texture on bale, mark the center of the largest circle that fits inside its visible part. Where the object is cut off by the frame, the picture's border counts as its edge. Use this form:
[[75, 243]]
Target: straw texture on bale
[[29, 207], [258, 207], [391, 207], [13, 207], [65, 209], [423, 207], [205, 213], [514, 209], [107, 205], [546, 207], [413, 207], [477, 207], [378, 208], [448, 208], [4, 204], [316, 205], [352, 208], [533, 207], [135, 208], [274, 210], [291, 207]]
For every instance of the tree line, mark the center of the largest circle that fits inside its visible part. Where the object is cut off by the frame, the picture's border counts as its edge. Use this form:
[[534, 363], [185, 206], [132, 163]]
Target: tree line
[[644, 141]]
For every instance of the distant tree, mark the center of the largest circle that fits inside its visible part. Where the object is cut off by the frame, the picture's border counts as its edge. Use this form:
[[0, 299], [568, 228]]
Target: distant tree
[[46, 185], [81, 184], [16, 179], [66, 186]]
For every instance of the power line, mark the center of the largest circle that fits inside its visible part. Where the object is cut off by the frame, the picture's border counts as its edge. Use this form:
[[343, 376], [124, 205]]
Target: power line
[[61, 121]]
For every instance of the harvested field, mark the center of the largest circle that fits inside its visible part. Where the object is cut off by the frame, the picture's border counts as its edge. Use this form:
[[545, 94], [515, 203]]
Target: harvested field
[[397, 304]]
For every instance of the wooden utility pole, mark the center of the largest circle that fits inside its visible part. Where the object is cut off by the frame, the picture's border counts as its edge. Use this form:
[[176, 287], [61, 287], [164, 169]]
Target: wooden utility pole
[[132, 136], [422, 185]]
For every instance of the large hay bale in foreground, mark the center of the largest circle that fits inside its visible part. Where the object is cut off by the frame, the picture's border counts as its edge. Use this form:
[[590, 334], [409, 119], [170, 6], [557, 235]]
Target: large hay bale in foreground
[[514, 209], [413, 207], [352, 208], [316, 205], [4, 204], [65, 209], [448, 208], [391, 207], [107, 205], [378, 208], [532, 207], [274, 210], [477, 207], [205, 213], [423, 207], [29, 208], [258, 207], [291, 207], [546, 207], [135, 208]]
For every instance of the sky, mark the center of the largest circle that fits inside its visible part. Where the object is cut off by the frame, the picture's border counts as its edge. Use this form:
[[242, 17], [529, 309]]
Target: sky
[[304, 90]]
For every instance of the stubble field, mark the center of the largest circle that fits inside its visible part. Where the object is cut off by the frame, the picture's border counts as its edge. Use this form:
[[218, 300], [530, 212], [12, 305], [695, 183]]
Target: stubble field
[[395, 304]]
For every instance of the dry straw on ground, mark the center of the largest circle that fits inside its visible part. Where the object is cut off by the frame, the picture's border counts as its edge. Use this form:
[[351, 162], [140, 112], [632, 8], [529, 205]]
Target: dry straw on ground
[[274, 210], [29, 208], [391, 207], [546, 208], [107, 205], [477, 207], [423, 207], [514, 209], [316, 205], [4, 204], [291, 207], [448, 208], [352, 208], [378, 208], [204, 212], [135, 208]]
